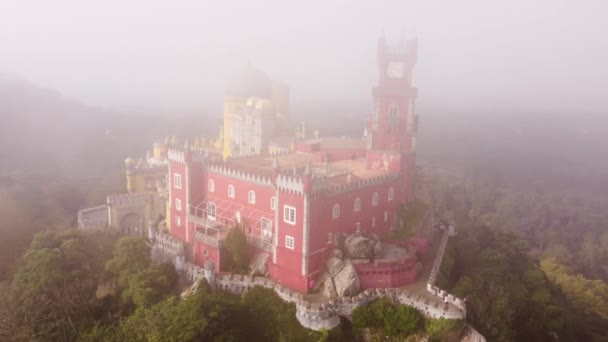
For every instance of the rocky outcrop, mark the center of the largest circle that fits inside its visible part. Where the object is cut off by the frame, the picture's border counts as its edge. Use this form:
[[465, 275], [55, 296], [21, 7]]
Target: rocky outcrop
[[358, 246], [259, 265], [341, 277]]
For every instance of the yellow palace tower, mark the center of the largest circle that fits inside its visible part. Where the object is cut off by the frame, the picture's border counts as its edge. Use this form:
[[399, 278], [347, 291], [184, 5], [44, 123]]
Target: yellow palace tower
[[250, 82]]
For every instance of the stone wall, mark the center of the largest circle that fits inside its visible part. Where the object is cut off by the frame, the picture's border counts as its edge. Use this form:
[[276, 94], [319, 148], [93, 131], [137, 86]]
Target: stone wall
[[167, 249], [95, 218], [318, 316], [430, 285]]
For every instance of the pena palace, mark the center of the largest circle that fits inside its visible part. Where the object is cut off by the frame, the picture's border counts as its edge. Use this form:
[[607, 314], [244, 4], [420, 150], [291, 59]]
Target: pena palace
[[296, 196]]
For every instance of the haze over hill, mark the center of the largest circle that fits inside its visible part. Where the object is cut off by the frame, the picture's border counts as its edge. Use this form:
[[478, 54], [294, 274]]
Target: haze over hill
[[514, 55]]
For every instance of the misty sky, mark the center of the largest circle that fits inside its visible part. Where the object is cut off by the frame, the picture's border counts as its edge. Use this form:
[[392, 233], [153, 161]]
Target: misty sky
[[538, 55]]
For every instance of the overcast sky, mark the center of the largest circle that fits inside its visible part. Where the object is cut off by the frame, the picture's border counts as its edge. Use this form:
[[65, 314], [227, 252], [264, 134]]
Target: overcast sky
[[537, 55]]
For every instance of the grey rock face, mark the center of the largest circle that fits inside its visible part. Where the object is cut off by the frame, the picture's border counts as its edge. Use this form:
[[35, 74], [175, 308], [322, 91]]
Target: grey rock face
[[342, 279], [361, 247], [259, 265]]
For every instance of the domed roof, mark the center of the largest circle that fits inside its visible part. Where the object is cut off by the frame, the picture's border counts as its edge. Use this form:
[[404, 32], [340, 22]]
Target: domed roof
[[129, 161], [249, 81], [263, 105], [252, 101]]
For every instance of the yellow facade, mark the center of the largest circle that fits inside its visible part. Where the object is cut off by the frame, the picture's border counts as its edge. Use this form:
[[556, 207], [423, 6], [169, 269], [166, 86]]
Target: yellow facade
[[231, 106]]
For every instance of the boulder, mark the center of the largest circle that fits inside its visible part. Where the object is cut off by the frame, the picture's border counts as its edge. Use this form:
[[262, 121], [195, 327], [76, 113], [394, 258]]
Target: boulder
[[259, 265], [343, 283], [358, 247]]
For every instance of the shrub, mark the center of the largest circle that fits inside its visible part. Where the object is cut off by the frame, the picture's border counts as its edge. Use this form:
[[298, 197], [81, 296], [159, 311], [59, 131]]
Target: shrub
[[395, 320], [443, 329]]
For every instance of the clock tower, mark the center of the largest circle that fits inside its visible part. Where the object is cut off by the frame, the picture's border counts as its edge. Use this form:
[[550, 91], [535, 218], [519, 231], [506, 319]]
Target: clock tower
[[391, 129]]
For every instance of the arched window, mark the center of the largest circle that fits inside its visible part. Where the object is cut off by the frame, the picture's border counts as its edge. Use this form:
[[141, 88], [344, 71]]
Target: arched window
[[335, 213], [393, 113], [211, 185], [358, 204], [375, 199], [391, 194], [273, 203], [251, 197], [231, 191], [211, 211]]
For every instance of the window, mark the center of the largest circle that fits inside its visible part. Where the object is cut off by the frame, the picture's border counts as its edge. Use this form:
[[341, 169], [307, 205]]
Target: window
[[211, 185], [178, 204], [231, 191], [177, 181], [206, 252], [273, 203], [386, 216], [373, 221], [289, 242], [251, 197], [358, 227], [289, 214], [391, 194], [178, 221], [211, 211], [375, 199], [358, 204], [330, 237], [266, 228], [335, 213]]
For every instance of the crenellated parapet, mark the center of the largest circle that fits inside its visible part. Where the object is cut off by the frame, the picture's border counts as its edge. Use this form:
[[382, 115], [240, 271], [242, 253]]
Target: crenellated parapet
[[166, 248], [326, 315], [430, 286], [222, 169], [94, 218], [323, 185], [128, 200], [291, 184], [176, 156], [194, 156]]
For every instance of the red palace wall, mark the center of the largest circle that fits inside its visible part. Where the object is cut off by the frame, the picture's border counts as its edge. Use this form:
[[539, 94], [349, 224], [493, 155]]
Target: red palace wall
[[224, 206], [389, 274], [213, 254], [288, 267], [322, 223]]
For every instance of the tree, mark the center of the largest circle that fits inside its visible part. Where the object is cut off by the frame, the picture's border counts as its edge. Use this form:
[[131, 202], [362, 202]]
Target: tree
[[444, 330], [53, 292], [237, 248], [392, 320]]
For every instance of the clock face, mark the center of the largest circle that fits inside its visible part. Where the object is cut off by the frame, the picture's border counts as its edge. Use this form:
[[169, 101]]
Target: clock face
[[395, 70]]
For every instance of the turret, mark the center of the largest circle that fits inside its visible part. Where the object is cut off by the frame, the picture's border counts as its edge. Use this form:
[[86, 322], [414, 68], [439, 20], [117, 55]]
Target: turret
[[160, 150], [275, 169], [307, 178], [187, 152], [130, 172]]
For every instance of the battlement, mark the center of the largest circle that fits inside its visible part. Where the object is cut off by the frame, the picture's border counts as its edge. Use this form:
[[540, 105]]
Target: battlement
[[176, 156], [325, 315], [93, 218], [238, 174], [166, 248], [322, 185], [289, 183], [430, 286], [128, 200]]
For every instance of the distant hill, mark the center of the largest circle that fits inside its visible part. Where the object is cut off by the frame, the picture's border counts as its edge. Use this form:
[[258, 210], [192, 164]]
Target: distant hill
[[43, 131]]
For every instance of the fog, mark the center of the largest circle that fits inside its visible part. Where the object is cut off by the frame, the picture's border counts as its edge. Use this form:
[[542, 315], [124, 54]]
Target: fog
[[535, 55]]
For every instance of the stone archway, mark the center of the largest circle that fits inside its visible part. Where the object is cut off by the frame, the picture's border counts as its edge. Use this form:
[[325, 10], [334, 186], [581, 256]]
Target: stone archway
[[132, 224]]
